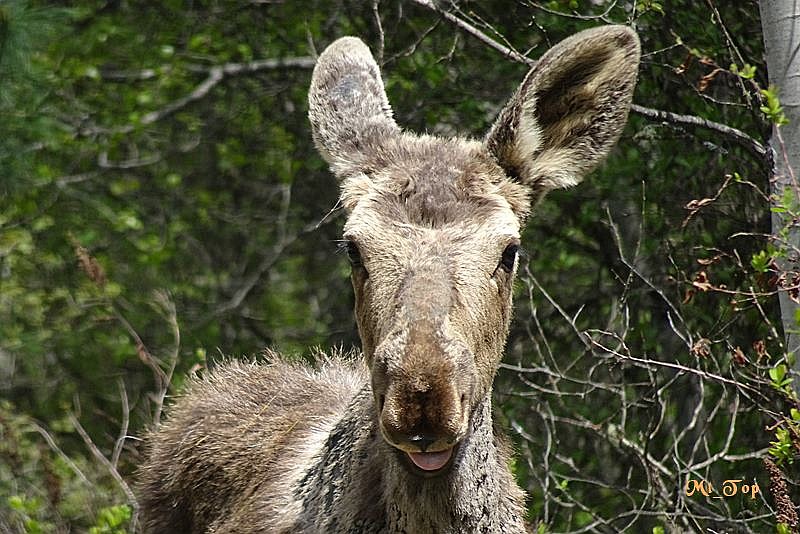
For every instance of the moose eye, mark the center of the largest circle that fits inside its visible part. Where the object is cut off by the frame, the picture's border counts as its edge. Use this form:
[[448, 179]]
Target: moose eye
[[508, 258], [353, 254]]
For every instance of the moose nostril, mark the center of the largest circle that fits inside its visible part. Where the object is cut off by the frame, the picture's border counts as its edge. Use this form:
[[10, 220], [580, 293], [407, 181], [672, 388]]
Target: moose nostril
[[381, 402], [463, 399], [421, 441]]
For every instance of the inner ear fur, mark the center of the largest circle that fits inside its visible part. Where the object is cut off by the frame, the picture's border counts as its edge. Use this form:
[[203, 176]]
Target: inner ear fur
[[569, 110], [349, 112]]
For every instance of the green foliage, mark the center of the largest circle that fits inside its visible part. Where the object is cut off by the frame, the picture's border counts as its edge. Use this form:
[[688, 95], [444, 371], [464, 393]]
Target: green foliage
[[780, 379], [46, 487], [772, 107], [747, 72], [25, 91], [27, 511], [644, 6], [781, 448], [788, 430], [24, 29], [112, 520], [787, 203], [760, 261]]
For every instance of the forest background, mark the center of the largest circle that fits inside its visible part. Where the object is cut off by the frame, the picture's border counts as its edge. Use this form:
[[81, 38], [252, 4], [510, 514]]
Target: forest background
[[162, 205]]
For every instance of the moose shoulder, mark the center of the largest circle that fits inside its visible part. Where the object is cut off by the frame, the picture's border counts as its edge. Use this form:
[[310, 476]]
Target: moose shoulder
[[399, 439]]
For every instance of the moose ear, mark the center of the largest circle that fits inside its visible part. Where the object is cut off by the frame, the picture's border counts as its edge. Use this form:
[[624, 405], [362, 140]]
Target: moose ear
[[348, 108], [569, 111]]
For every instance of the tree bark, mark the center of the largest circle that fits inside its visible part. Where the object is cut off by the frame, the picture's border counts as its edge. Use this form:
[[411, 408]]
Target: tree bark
[[780, 22]]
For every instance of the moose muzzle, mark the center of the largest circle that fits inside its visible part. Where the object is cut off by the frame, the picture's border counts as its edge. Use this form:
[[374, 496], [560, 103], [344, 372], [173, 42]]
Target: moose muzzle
[[424, 398]]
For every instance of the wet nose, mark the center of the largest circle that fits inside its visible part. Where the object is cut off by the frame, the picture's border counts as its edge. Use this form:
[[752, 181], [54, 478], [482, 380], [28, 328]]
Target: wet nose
[[419, 420], [423, 441], [419, 440]]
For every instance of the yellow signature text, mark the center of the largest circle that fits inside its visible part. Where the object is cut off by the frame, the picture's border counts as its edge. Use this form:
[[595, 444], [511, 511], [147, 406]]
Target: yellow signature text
[[730, 488]]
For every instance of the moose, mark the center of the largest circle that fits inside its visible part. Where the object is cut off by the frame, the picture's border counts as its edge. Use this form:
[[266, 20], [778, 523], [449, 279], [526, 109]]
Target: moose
[[399, 438]]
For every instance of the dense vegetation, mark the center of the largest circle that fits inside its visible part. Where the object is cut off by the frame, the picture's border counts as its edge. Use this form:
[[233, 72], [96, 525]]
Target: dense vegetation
[[162, 205]]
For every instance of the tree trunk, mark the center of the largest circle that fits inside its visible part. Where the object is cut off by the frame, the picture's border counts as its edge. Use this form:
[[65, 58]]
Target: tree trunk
[[780, 21]]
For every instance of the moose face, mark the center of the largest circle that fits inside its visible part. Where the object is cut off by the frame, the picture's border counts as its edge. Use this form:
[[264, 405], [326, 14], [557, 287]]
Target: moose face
[[434, 224], [433, 244]]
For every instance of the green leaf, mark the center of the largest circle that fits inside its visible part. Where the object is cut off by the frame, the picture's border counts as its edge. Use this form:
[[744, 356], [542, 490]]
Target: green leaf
[[777, 373], [760, 261], [773, 109], [747, 72], [16, 503]]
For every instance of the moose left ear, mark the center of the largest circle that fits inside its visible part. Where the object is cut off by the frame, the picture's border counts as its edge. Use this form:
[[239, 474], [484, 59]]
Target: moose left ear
[[347, 106], [569, 111]]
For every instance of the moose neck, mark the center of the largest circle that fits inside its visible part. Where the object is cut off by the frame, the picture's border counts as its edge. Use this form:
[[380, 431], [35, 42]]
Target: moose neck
[[478, 494]]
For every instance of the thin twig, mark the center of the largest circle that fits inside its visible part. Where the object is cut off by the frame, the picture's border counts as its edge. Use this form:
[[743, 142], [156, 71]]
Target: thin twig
[[577, 16], [167, 307], [379, 26], [109, 466], [671, 365], [475, 32], [123, 430], [54, 446]]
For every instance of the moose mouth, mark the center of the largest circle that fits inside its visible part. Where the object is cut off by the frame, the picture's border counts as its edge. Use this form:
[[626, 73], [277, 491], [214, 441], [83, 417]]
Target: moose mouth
[[431, 461], [429, 464]]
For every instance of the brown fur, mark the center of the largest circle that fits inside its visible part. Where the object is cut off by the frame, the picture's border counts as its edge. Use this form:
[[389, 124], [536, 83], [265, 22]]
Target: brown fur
[[432, 222]]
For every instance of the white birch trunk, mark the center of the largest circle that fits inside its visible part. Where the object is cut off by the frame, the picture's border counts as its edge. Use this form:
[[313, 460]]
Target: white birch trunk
[[780, 22]]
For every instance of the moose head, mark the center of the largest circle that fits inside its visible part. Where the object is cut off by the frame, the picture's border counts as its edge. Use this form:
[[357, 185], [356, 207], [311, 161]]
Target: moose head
[[434, 224]]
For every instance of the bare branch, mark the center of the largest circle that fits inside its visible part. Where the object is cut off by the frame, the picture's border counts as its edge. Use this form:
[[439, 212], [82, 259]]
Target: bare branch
[[282, 242], [167, 308], [54, 446], [127, 76], [215, 75], [104, 163], [123, 430], [109, 466], [379, 26], [671, 365], [737, 136], [144, 354]]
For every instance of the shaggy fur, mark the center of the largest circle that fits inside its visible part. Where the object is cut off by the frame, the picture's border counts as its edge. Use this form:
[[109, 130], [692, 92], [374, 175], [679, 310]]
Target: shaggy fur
[[283, 447]]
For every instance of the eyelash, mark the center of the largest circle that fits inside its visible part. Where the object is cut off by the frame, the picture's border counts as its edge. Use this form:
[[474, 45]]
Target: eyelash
[[351, 249], [509, 257]]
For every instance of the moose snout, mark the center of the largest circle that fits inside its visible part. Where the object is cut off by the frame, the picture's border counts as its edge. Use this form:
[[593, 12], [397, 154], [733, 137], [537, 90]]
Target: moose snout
[[423, 380], [422, 415]]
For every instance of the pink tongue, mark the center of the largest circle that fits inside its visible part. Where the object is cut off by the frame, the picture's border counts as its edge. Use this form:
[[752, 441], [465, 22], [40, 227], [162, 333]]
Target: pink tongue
[[430, 461]]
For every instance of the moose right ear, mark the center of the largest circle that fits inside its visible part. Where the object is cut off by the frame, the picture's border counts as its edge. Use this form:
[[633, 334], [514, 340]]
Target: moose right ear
[[569, 111], [348, 108]]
